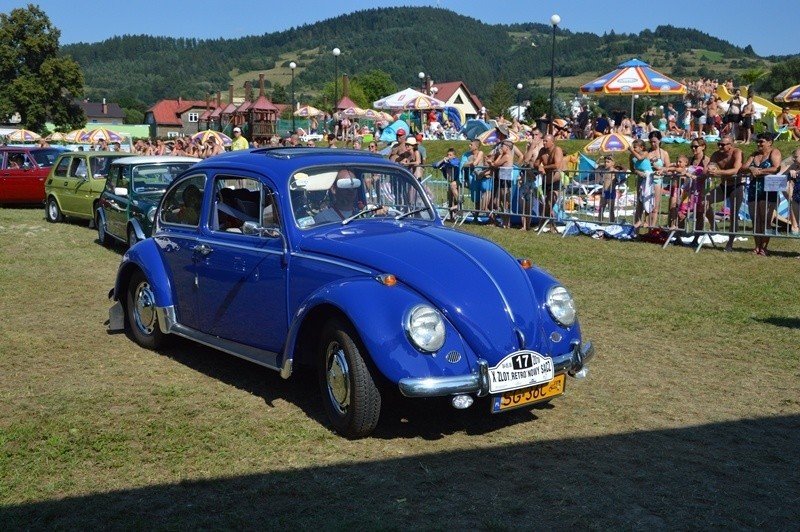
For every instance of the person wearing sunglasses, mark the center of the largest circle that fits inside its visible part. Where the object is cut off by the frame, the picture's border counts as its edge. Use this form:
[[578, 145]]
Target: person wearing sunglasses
[[763, 162], [792, 170], [726, 164]]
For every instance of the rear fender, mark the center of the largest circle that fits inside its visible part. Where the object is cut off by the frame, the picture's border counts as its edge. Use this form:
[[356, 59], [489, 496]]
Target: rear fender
[[378, 313]]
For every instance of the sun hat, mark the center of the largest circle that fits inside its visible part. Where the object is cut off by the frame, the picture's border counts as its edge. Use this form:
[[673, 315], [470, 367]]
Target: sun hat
[[412, 141], [237, 130]]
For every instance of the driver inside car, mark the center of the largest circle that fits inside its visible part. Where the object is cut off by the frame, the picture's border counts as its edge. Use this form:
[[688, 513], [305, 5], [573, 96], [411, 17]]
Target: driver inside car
[[344, 192]]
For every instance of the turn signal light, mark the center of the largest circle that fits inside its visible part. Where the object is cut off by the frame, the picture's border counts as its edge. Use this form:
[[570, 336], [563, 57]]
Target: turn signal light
[[387, 279], [526, 264]]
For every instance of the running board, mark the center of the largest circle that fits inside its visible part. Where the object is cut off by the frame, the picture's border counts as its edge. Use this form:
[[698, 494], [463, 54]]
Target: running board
[[261, 357]]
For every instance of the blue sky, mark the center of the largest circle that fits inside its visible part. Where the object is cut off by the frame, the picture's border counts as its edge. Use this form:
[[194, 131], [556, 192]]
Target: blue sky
[[733, 20]]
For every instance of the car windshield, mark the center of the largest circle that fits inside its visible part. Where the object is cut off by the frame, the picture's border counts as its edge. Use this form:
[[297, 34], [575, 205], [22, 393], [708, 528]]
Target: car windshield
[[46, 157], [337, 194], [156, 177]]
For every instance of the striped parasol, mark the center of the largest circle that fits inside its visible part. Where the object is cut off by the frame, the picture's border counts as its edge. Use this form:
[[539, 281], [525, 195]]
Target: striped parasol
[[23, 135], [609, 143], [203, 136], [100, 133]]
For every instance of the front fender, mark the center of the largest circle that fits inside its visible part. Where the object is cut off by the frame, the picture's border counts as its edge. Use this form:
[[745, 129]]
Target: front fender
[[378, 314], [145, 256], [137, 229]]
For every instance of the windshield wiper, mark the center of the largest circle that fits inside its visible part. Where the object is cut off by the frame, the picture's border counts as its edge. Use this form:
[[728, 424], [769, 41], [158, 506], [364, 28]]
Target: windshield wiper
[[366, 210], [409, 213]]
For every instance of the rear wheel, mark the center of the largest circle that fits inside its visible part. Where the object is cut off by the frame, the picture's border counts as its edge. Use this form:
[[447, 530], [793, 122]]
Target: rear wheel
[[102, 236], [351, 397], [53, 211], [141, 313]]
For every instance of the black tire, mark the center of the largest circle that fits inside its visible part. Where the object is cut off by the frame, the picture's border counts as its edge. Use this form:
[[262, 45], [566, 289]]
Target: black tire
[[132, 239], [104, 238], [349, 392], [140, 311], [52, 211]]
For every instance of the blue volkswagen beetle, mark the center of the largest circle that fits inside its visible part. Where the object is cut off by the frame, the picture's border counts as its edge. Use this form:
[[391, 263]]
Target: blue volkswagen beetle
[[338, 259]]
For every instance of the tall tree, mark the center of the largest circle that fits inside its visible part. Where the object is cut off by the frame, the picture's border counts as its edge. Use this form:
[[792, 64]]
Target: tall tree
[[501, 98], [376, 84], [34, 81]]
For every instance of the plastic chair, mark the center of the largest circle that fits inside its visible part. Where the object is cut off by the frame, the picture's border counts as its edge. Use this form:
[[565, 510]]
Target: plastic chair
[[778, 133]]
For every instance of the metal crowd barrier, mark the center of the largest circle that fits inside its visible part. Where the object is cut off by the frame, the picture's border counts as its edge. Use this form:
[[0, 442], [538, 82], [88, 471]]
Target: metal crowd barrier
[[684, 206]]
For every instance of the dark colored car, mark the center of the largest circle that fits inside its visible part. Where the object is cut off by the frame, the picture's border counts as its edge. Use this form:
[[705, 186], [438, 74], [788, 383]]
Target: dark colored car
[[133, 188], [338, 260], [75, 182], [23, 171]]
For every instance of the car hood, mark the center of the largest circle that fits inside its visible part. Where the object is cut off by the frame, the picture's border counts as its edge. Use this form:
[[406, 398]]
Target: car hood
[[481, 289]]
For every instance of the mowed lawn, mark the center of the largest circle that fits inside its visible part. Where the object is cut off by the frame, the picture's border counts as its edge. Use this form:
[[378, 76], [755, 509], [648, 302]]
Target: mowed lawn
[[689, 419]]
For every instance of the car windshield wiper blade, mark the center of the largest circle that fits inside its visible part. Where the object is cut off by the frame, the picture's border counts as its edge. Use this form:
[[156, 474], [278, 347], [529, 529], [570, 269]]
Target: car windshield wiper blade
[[366, 210], [409, 213]]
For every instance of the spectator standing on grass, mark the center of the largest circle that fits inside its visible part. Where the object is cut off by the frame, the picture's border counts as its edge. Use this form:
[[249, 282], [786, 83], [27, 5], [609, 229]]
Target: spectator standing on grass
[[748, 118], [792, 171], [551, 163], [698, 161], [641, 165], [659, 158], [608, 196], [735, 112], [763, 162], [239, 142], [726, 163]]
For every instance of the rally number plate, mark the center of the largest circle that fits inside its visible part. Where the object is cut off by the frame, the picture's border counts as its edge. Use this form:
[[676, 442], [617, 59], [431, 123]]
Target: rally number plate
[[520, 369]]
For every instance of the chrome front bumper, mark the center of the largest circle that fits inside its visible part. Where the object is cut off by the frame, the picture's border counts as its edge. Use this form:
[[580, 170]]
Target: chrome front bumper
[[478, 382]]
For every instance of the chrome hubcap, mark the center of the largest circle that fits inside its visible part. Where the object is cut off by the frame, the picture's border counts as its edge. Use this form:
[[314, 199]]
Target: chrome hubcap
[[53, 209], [338, 378], [144, 312]]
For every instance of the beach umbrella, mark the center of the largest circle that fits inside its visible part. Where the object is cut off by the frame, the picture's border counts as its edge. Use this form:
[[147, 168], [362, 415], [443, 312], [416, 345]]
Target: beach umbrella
[[490, 137], [352, 112], [100, 133], [408, 99], [23, 135], [634, 77], [56, 136], [307, 110], [74, 135], [792, 94], [608, 143], [221, 138]]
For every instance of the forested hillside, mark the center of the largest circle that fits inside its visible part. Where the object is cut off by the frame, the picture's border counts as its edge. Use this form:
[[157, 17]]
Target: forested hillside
[[398, 41]]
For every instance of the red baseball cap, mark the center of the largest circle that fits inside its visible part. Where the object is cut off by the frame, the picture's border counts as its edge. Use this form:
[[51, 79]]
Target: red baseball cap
[[419, 137], [401, 132]]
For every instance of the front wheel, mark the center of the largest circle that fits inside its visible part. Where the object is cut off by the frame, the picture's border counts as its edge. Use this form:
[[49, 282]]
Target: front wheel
[[53, 211], [141, 313], [351, 397]]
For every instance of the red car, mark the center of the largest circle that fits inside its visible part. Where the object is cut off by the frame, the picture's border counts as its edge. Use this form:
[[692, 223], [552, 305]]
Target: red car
[[23, 171]]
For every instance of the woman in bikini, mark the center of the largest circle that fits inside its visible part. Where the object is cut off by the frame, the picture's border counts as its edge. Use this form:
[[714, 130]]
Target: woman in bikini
[[763, 162]]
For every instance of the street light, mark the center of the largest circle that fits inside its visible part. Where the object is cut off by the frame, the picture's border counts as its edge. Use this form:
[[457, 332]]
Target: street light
[[421, 77], [519, 88], [336, 53], [293, 65], [554, 20]]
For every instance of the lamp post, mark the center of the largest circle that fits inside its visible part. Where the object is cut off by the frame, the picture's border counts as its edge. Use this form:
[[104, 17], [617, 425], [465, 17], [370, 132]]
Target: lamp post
[[293, 65], [519, 88], [336, 53], [554, 20], [421, 77]]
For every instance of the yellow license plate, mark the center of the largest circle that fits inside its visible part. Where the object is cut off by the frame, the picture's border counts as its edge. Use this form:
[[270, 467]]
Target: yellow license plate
[[527, 396]]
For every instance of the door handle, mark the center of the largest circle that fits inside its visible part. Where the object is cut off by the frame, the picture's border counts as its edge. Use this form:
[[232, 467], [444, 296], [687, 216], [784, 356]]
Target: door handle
[[203, 249]]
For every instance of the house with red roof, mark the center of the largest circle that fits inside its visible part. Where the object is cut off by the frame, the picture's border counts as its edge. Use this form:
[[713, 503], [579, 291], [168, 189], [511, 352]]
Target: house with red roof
[[456, 94], [172, 118]]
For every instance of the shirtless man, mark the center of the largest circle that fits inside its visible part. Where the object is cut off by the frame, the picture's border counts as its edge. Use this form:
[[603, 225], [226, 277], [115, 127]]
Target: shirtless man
[[726, 163], [502, 167], [527, 181], [551, 164], [401, 152]]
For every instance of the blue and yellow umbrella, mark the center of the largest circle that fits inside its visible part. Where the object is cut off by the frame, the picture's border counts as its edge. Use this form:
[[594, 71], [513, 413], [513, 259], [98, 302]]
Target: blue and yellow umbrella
[[792, 94], [221, 138], [609, 143]]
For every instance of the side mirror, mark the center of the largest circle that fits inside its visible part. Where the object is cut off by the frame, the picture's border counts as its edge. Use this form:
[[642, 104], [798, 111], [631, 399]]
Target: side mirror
[[252, 228], [120, 191]]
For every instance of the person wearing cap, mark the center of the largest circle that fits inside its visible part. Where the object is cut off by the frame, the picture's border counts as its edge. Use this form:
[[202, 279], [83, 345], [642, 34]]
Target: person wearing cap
[[423, 153], [239, 142], [344, 191], [400, 151], [550, 163]]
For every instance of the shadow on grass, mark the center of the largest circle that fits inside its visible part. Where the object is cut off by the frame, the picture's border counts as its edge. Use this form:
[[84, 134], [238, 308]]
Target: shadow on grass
[[781, 321], [732, 475], [429, 419]]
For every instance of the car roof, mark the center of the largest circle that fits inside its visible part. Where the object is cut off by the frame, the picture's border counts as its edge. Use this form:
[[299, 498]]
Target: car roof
[[32, 149], [96, 154], [283, 161], [159, 159]]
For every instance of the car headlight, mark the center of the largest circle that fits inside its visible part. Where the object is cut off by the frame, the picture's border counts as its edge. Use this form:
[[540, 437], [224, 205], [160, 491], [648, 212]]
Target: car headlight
[[151, 214], [561, 305], [425, 328]]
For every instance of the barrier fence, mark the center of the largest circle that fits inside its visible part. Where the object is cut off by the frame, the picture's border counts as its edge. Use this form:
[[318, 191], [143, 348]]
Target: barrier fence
[[672, 205]]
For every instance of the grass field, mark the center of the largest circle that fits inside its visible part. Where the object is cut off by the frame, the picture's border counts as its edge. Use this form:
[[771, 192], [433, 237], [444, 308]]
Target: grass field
[[689, 419]]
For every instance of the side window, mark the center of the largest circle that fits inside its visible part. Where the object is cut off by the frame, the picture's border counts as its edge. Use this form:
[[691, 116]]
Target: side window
[[240, 200], [16, 159], [183, 203], [63, 167], [78, 168]]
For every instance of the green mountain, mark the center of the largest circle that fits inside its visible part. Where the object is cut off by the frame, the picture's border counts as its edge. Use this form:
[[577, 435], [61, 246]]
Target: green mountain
[[399, 41]]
